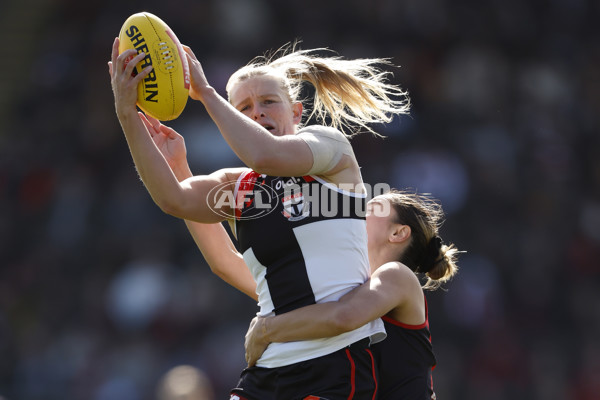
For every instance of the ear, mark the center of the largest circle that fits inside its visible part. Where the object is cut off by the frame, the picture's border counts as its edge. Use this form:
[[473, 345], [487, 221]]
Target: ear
[[400, 234], [297, 110]]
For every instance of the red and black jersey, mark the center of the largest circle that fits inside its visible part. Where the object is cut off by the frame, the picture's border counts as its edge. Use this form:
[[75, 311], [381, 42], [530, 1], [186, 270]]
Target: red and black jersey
[[405, 361]]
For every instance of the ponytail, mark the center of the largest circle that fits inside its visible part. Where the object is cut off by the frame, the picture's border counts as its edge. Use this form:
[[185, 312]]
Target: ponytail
[[350, 94], [427, 252]]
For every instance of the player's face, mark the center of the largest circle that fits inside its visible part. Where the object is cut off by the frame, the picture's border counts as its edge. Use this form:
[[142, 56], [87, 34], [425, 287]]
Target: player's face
[[262, 99], [380, 220]]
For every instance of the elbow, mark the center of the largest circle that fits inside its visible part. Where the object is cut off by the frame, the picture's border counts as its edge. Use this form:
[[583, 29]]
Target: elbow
[[170, 207], [216, 269], [266, 160], [261, 163], [174, 203]]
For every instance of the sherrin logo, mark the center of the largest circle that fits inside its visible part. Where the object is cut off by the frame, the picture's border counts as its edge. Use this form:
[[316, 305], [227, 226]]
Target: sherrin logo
[[140, 45]]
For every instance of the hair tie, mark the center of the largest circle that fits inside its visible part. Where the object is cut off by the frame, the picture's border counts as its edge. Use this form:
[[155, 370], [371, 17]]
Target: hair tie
[[432, 254]]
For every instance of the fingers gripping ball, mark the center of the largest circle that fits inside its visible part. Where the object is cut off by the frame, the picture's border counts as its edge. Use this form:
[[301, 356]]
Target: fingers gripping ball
[[164, 92]]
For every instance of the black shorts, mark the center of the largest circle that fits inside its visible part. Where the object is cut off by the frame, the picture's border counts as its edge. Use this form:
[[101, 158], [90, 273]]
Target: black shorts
[[349, 373]]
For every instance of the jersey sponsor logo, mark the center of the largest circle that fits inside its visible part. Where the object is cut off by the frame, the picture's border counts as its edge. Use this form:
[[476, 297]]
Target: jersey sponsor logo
[[280, 184]]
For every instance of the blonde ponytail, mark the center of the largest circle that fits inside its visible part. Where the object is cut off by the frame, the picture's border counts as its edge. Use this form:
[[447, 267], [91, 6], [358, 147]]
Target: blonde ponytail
[[350, 94]]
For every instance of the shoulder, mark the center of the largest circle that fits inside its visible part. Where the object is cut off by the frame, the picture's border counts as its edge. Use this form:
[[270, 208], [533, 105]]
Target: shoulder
[[333, 156], [397, 273], [407, 292], [320, 131]]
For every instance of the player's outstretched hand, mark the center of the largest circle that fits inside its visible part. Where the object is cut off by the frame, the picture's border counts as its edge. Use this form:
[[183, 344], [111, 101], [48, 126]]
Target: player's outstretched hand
[[170, 143], [198, 82], [124, 85]]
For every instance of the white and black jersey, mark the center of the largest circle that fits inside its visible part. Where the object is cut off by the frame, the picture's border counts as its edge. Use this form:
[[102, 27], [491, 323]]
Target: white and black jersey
[[305, 242]]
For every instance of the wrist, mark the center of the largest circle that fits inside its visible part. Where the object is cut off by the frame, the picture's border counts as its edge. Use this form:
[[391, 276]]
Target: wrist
[[126, 113], [182, 172], [265, 330], [205, 93]]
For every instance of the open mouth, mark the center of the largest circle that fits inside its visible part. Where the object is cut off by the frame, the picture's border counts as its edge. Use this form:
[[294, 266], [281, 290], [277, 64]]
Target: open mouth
[[268, 127]]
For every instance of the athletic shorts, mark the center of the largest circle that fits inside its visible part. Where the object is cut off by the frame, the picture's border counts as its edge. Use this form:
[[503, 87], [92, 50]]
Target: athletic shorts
[[349, 373]]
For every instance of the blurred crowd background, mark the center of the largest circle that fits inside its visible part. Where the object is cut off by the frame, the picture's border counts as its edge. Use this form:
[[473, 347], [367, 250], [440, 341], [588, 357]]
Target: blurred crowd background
[[102, 296]]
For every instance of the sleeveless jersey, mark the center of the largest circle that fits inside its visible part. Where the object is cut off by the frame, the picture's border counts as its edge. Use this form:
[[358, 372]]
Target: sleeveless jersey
[[305, 242], [405, 361]]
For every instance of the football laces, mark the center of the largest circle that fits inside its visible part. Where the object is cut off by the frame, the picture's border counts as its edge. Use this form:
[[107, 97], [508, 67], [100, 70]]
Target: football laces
[[166, 55]]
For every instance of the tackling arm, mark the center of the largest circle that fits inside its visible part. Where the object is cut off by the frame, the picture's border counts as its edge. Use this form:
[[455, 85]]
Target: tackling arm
[[369, 301]]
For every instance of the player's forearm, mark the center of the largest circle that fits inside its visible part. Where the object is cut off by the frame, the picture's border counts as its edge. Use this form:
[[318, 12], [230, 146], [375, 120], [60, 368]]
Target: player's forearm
[[222, 256], [182, 171], [152, 168], [251, 142], [310, 322]]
